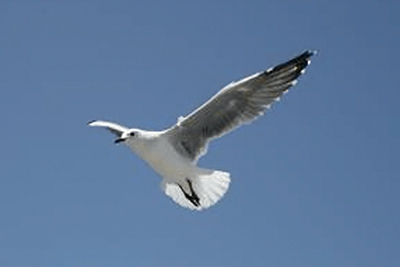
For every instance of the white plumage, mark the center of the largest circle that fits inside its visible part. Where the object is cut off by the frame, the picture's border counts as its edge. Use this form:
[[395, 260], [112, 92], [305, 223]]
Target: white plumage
[[173, 153]]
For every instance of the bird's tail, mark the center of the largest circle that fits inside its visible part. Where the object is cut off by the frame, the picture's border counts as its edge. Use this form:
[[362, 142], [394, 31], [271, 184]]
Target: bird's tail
[[199, 192]]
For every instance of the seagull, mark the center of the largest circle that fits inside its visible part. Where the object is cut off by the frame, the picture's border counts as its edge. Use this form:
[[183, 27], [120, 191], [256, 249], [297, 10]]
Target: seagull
[[173, 153]]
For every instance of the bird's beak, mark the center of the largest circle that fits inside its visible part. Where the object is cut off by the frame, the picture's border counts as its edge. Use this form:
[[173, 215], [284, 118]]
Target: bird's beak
[[119, 140]]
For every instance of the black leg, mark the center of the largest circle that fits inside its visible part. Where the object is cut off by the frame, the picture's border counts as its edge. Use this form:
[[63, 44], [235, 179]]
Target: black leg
[[193, 197]]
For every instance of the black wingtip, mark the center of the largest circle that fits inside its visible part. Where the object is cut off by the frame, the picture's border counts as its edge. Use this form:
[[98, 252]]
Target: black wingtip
[[90, 122], [301, 61], [307, 54]]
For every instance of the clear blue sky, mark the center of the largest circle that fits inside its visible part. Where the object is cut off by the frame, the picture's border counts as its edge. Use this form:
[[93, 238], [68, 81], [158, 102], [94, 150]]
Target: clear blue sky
[[315, 182]]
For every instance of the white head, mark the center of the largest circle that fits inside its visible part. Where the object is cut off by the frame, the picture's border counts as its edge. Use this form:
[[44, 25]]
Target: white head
[[128, 136]]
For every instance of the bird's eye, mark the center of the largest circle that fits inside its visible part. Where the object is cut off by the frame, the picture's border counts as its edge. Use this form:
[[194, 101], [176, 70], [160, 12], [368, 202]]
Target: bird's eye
[[132, 134]]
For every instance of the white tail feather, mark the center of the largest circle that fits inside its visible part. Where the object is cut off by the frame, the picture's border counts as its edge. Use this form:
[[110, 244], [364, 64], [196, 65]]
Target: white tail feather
[[209, 185]]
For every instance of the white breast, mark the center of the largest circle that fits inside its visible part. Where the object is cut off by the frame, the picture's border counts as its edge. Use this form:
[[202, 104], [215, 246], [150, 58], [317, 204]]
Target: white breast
[[163, 158]]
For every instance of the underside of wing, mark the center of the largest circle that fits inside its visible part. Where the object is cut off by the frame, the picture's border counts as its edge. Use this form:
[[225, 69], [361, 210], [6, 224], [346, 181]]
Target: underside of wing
[[237, 103], [112, 127]]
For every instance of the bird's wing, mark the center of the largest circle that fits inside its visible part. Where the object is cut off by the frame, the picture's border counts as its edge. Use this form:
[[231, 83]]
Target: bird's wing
[[237, 103], [112, 127]]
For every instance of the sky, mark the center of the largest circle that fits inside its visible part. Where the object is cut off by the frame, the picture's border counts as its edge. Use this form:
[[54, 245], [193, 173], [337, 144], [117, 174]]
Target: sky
[[315, 182]]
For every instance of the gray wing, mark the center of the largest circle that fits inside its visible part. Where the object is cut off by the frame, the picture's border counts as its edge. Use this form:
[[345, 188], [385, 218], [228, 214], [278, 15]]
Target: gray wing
[[112, 127], [237, 103]]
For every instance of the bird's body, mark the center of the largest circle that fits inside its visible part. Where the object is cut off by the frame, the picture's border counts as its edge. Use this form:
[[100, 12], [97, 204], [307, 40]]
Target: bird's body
[[154, 148], [173, 153]]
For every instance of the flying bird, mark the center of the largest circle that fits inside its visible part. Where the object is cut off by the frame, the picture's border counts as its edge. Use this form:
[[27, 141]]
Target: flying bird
[[173, 153]]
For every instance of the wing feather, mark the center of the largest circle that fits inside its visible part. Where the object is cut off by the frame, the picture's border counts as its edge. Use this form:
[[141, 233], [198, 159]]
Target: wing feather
[[112, 127], [237, 103]]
